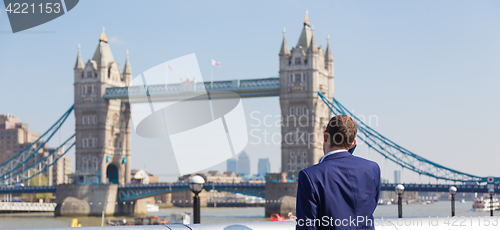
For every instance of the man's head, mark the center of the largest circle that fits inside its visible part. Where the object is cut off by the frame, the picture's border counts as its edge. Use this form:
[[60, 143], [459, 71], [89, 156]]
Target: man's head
[[340, 133]]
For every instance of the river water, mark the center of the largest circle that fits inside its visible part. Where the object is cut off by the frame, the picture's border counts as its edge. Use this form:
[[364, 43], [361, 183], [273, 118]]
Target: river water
[[217, 215]]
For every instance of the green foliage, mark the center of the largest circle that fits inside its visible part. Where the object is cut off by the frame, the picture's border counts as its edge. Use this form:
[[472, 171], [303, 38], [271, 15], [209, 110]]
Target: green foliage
[[38, 180]]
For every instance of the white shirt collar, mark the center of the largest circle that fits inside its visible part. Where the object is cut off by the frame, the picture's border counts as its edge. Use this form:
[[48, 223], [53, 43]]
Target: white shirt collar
[[331, 153]]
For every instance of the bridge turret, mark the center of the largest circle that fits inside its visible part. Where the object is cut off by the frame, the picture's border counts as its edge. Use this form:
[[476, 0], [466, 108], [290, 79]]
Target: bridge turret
[[328, 58], [102, 125], [103, 58], [302, 74], [314, 57], [305, 35], [284, 51], [127, 71], [312, 46], [78, 69], [79, 64]]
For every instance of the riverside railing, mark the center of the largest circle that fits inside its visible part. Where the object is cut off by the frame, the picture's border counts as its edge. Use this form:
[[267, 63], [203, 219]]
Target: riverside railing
[[27, 206], [451, 223]]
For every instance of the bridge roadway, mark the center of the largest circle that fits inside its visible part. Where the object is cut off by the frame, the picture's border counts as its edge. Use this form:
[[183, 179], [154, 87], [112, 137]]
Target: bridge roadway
[[139, 191], [263, 87]]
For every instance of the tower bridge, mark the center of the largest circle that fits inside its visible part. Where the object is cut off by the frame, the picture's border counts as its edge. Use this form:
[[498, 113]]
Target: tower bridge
[[133, 192], [102, 99], [103, 96]]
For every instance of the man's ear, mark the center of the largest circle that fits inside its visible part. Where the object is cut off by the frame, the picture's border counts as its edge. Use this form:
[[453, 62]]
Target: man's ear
[[325, 136], [353, 144]]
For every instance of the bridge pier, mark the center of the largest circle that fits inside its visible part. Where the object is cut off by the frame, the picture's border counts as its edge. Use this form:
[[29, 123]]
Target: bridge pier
[[280, 198], [134, 208], [92, 200]]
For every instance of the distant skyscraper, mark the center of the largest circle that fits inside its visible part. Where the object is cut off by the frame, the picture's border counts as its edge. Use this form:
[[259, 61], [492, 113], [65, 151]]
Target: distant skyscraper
[[231, 165], [397, 176], [264, 166], [243, 164]]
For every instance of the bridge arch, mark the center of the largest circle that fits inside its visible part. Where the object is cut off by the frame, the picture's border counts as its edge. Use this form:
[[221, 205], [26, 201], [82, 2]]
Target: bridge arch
[[112, 174]]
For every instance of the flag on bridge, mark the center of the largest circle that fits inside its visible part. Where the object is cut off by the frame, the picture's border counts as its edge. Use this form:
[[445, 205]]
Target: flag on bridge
[[215, 63]]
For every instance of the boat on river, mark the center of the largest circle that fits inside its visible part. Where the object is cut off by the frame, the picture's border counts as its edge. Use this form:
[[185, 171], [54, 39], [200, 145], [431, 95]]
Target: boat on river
[[485, 205]]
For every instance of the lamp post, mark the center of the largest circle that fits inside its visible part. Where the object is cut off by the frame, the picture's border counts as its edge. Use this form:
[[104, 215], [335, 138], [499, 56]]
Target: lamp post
[[196, 185], [400, 189], [453, 191], [491, 191]]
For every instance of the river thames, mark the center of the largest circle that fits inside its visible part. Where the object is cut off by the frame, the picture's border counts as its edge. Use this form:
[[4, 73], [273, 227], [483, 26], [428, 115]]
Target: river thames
[[231, 215]]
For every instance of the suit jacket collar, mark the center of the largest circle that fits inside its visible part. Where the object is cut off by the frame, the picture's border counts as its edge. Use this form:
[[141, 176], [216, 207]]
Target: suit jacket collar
[[338, 155]]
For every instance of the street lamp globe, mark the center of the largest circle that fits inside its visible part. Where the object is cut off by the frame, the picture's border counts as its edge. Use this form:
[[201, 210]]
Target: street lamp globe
[[453, 190], [196, 184], [400, 189], [491, 191]]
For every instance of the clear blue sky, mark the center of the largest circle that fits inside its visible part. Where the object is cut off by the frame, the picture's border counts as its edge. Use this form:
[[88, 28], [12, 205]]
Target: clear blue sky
[[429, 70]]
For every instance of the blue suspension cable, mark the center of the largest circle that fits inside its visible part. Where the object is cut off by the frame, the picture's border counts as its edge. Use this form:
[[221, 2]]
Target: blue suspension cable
[[370, 135]]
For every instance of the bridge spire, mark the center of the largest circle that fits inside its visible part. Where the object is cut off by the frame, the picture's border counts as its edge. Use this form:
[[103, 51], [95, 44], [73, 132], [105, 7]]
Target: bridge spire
[[284, 47], [79, 62], [102, 55], [306, 19], [328, 52], [312, 46], [103, 37], [305, 36], [127, 70]]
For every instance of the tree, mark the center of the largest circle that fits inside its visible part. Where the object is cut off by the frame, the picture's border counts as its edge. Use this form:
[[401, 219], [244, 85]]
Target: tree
[[38, 180]]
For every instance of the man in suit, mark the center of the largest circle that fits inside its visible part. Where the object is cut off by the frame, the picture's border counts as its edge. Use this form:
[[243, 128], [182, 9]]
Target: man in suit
[[342, 191]]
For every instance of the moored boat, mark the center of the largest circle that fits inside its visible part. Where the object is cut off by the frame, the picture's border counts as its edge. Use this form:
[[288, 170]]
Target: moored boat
[[152, 208], [485, 205]]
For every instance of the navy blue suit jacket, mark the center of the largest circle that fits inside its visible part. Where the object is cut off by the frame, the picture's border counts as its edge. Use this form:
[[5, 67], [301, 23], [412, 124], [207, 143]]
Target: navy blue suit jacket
[[337, 191]]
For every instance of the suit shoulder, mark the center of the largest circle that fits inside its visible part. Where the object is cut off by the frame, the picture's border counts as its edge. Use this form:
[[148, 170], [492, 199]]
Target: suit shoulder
[[312, 169], [367, 162]]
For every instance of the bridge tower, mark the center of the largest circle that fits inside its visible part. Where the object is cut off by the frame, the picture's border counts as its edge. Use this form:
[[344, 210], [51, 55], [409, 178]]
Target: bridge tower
[[304, 70], [102, 125]]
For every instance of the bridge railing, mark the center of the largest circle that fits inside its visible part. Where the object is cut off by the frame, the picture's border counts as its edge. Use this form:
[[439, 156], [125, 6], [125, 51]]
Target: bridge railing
[[441, 187], [27, 189], [260, 186], [138, 191], [242, 184]]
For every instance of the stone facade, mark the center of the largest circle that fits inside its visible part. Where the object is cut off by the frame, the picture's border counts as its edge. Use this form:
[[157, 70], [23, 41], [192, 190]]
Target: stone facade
[[304, 70], [102, 126]]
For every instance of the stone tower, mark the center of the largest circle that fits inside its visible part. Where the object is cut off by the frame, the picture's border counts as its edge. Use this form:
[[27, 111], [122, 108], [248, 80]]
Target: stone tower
[[102, 125], [304, 70]]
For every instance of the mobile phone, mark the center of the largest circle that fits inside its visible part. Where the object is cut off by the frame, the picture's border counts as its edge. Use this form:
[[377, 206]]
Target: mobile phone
[[351, 151]]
